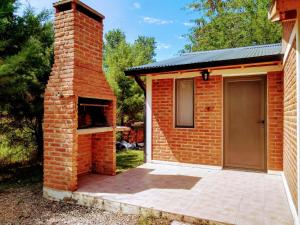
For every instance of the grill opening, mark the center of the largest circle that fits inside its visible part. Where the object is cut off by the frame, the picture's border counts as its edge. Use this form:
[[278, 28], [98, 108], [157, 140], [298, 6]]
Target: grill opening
[[93, 113]]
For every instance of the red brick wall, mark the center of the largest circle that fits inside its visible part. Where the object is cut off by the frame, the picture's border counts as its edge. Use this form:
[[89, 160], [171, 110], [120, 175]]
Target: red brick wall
[[89, 79], [200, 145], [104, 162], [77, 72], [274, 120], [204, 143], [95, 153], [84, 159], [290, 124]]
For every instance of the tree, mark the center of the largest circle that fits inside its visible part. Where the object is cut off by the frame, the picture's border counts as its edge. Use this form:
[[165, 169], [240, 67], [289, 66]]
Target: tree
[[26, 57], [119, 55], [231, 23]]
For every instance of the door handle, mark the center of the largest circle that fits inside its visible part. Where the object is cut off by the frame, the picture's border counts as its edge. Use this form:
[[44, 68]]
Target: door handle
[[261, 121]]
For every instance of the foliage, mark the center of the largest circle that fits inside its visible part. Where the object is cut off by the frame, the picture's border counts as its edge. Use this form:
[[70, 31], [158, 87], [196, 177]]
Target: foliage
[[26, 57], [119, 55], [231, 23], [16, 165], [13, 155], [129, 159]]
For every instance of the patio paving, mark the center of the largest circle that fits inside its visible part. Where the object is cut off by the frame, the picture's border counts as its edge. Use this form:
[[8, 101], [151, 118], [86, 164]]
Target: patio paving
[[230, 197]]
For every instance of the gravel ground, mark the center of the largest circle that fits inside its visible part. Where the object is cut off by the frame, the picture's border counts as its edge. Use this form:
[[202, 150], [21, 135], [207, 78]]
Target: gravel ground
[[25, 205]]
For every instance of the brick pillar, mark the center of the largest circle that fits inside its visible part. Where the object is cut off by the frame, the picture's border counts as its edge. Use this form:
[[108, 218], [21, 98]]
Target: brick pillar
[[103, 158], [60, 117], [275, 120]]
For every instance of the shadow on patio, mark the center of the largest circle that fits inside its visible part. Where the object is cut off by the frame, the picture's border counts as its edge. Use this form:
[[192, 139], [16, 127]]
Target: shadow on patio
[[135, 181]]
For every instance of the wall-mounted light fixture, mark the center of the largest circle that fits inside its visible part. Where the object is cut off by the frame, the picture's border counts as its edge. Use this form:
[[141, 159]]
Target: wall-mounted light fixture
[[205, 75]]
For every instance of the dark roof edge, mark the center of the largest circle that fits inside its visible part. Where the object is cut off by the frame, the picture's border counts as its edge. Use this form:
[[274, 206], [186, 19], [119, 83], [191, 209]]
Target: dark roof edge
[[231, 62]]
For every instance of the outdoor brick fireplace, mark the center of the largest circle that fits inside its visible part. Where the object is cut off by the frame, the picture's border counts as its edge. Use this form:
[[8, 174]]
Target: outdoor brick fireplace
[[80, 107]]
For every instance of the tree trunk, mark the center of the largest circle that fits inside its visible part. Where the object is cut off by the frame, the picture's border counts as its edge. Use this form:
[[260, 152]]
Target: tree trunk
[[122, 109], [122, 118], [39, 140]]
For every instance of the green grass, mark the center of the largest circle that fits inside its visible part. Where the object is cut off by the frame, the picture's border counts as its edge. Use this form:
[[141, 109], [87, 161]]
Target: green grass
[[17, 167], [129, 159]]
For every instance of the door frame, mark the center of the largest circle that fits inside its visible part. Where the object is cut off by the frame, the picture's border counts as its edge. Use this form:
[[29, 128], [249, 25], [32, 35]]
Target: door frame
[[247, 78]]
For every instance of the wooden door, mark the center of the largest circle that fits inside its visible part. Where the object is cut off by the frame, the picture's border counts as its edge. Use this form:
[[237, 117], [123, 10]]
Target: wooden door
[[244, 123]]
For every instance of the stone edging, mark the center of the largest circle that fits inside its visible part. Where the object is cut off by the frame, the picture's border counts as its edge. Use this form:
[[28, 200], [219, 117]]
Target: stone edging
[[113, 206]]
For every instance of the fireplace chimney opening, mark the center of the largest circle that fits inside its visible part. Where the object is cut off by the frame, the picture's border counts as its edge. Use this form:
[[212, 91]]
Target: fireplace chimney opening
[[92, 113]]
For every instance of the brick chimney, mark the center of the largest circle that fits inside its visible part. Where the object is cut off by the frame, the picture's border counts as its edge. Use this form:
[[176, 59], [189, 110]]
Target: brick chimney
[[77, 74]]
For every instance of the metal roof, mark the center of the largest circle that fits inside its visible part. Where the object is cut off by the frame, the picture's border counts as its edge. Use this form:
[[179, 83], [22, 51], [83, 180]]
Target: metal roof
[[214, 58]]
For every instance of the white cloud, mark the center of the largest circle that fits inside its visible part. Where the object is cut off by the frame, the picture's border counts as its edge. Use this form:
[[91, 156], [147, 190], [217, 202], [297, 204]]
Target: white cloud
[[156, 21], [136, 5], [162, 46], [187, 24]]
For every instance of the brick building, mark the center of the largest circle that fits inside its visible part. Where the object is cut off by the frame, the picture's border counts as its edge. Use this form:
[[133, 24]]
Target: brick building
[[206, 121], [231, 108]]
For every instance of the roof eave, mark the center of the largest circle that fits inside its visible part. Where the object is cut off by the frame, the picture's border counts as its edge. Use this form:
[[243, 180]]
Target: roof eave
[[283, 10], [232, 62]]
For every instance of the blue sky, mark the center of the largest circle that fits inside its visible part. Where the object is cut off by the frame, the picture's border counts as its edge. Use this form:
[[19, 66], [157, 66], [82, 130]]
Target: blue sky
[[166, 20]]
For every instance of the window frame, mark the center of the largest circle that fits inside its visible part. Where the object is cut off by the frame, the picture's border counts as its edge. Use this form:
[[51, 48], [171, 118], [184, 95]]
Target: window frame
[[175, 103]]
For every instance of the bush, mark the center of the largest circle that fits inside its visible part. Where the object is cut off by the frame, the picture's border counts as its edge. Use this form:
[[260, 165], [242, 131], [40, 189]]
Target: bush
[[14, 154]]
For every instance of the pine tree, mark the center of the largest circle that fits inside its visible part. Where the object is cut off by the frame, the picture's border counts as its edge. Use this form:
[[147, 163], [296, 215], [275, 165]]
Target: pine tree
[[231, 23], [26, 57], [119, 55]]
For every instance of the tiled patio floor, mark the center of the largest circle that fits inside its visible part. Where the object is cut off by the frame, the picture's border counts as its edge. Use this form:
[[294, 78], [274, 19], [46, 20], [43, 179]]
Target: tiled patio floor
[[232, 197]]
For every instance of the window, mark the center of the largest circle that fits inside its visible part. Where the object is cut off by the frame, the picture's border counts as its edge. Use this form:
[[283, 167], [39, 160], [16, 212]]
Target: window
[[184, 103]]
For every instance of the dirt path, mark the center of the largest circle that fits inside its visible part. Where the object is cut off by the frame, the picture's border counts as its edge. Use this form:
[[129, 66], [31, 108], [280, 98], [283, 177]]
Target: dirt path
[[26, 205]]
